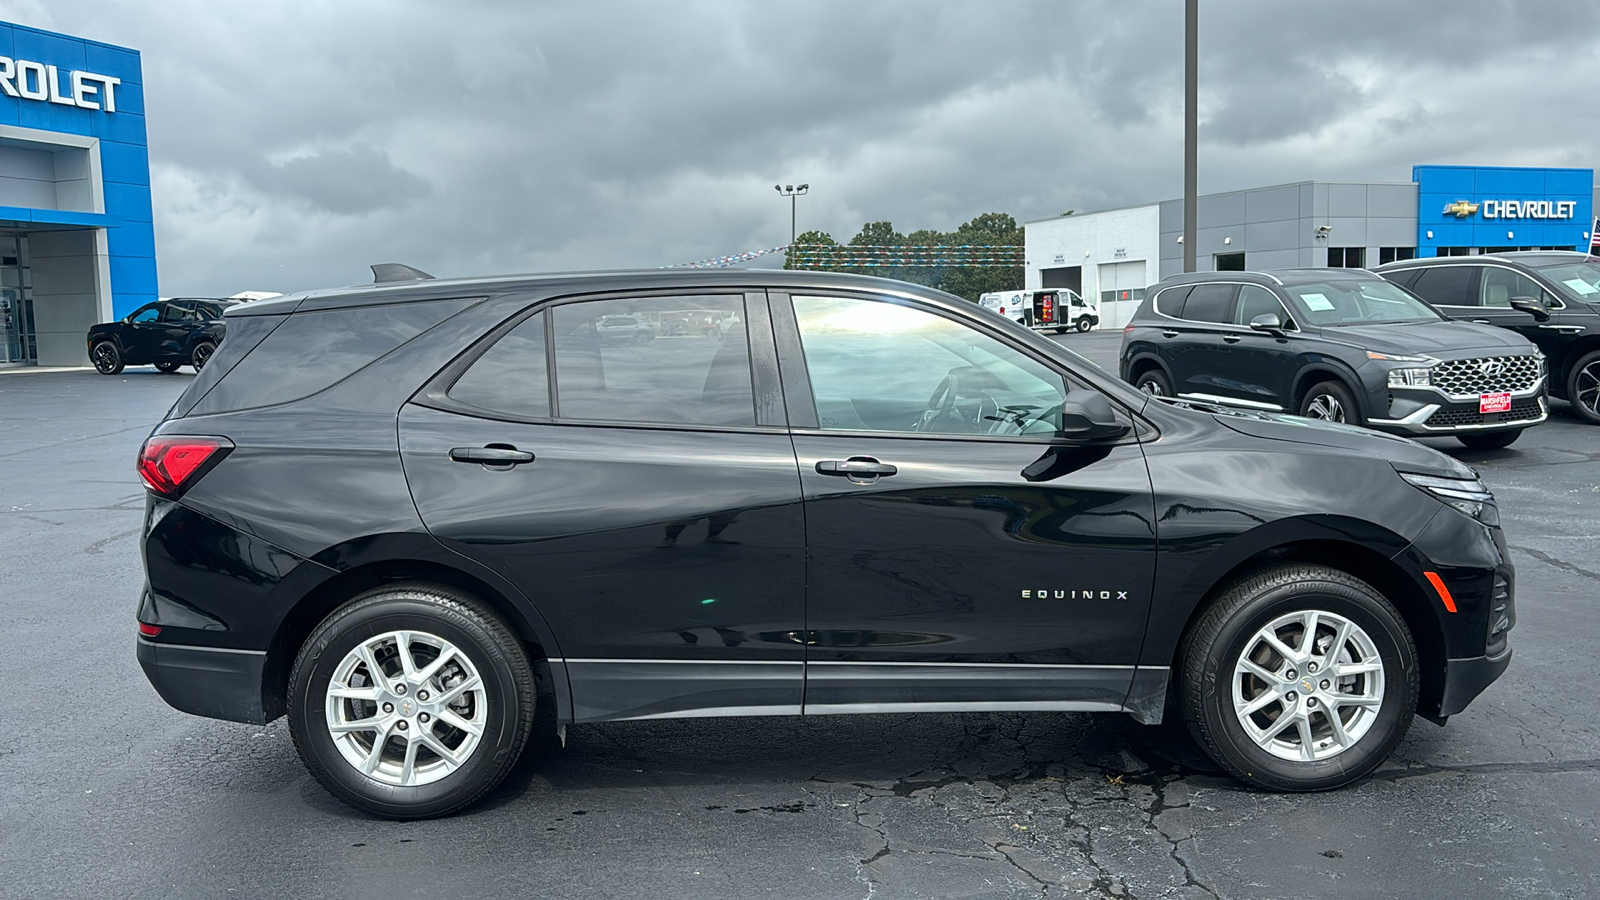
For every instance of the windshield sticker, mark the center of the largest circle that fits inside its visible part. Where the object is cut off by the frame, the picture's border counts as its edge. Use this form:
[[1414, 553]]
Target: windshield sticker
[[1583, 288], [1317, 302]]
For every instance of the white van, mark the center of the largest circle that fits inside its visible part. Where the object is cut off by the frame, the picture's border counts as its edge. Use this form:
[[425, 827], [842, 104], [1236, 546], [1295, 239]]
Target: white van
[[1044, 309]]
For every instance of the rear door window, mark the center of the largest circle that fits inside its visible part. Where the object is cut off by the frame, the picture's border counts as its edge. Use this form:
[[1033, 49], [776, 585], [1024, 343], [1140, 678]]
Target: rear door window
[[1170, 301], [1446, 286], [510, 379], [1210, 303], [680, 360]]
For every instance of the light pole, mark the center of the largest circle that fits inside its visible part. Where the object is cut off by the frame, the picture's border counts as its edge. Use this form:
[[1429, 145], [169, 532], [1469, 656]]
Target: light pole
[[791, 191], [1191, 127]]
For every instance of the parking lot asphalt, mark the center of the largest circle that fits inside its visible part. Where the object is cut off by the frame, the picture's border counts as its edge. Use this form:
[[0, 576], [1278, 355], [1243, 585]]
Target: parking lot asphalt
[[105, 791]]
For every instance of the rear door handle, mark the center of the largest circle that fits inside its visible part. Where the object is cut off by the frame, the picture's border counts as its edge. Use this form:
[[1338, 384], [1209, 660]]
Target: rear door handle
[[499, 455], [1231, 338], [856, 467], [1169, 334]]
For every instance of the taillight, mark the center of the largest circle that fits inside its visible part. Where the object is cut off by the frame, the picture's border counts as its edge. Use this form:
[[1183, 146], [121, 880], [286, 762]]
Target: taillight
[[1128, 328], [168, 465]]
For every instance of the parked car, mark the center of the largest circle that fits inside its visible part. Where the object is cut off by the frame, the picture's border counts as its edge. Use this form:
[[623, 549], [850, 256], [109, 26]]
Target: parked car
[[1044, 309], [869, 496], [182, 331], [1336, 344], [1552, 298], [628, 329]]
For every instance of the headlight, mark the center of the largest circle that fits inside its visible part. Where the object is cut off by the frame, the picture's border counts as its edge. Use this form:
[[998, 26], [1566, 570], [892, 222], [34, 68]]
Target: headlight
[[1410, 377], [1469, 496]]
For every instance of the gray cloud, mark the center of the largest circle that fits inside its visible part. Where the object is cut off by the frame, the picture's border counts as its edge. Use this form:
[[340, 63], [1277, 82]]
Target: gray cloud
[[293, 143]]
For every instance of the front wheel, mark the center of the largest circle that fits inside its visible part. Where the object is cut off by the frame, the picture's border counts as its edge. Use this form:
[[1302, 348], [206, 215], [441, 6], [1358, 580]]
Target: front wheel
[[1084, 324], [1583, 387], [1494, 441], [1299, 678], [202, 354], [1154, 383], [411, 701], [167, 367], [106, 357], [1331, 401]]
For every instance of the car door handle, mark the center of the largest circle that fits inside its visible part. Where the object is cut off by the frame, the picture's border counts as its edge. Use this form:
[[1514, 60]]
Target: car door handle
[[491, 455], [1169, 334], [1231, 338], [855, 467]]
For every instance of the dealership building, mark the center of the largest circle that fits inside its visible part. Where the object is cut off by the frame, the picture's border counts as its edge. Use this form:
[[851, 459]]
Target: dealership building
[[1442, 211], [76, 241]]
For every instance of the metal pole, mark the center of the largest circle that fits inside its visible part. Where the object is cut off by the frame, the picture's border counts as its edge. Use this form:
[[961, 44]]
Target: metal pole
[[1191, 127], [792, 202]]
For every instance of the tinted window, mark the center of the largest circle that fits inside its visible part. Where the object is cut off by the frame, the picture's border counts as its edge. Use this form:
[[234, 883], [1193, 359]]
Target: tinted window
[[877, 366], [1445, 286], [1170, 301], [511, 378], [1255, 300], [1209, 303], [312, 350], [660, 360], [1496, 287], [243, 334], [146, 314], [177, 312]]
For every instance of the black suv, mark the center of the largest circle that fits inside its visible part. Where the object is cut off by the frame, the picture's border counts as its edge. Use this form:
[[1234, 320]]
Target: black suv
[[1336, 344], [1552, 298], [861, 496], [183, 331]]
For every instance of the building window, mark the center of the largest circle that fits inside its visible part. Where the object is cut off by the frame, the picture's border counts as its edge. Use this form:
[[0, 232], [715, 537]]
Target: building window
[[1347, 257], [1455, 251], [1229, 262], [1391, 254]]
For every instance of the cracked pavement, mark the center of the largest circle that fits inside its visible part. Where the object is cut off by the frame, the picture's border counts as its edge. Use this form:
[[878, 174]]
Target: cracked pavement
[[106, 791]]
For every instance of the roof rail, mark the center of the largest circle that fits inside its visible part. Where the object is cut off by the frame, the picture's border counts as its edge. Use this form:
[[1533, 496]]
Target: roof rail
[[386, 272]]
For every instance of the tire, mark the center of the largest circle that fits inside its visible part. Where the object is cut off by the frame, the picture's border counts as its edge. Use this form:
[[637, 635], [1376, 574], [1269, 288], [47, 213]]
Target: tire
[[202, 352], [1084, 324], [1278, 600], [1063, 329], [1492, 441], [1583, 387], [168, 367], [106, 357], [1331, 401], [365, 631], [1154, 383]]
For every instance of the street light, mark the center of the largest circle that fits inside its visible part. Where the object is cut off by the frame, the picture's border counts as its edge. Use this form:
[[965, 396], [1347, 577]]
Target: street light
[[791, 191]]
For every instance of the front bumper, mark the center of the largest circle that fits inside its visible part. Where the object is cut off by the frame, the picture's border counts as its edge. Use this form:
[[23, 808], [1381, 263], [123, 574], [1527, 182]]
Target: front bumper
[[1422, 412], [1465, 679], [207, 681]]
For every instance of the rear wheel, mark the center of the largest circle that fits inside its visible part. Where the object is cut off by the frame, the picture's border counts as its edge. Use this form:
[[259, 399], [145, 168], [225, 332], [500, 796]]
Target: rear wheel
[[167, 366], [1493, 441], [1331, 401], [202, 353], [413, 700], [106, 357], [1299, 678], [1583, 387], [1154, 383]]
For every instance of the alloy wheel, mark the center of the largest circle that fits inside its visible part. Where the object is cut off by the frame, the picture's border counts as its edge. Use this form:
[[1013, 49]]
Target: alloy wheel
[[1326, 407], [406, 708], [1587, 383], [1308, 686]]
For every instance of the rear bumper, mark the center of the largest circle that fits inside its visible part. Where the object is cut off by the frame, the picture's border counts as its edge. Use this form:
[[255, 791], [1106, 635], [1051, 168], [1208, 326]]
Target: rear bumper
[[206, 681], [1465, 679]]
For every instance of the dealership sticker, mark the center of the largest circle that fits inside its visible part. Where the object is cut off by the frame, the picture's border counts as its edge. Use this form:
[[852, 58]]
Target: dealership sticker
[[1317, 302], [1493, 403], [1583, 288]]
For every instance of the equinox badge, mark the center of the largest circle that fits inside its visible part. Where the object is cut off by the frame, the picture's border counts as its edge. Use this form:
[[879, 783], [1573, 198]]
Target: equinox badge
[[1047, 594]]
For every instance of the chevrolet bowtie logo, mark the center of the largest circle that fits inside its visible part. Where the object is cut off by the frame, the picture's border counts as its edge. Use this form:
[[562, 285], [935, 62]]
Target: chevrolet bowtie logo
[[1461, 209]]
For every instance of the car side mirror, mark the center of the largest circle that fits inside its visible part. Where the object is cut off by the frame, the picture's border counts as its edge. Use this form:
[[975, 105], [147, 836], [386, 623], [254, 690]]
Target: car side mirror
[[1532, 307], [1267, 322], [1087, 416]]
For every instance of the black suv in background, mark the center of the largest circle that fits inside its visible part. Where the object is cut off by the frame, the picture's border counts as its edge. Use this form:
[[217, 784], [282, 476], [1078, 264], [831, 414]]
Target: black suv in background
[[1336, 344], [182, 331], [1550, 297], [860, 496]]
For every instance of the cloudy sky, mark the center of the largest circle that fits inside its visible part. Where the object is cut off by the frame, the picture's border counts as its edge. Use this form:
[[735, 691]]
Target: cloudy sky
[[292, 143]]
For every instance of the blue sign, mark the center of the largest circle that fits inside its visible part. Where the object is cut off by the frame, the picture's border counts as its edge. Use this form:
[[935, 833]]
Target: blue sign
[[81, 103], [1492, 206]]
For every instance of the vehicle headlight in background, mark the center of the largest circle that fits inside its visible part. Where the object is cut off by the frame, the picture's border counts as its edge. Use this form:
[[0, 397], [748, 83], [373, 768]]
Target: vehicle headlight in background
[[1468, 496]]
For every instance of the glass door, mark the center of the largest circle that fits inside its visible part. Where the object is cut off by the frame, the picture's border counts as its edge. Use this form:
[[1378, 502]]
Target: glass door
[[16, 302]]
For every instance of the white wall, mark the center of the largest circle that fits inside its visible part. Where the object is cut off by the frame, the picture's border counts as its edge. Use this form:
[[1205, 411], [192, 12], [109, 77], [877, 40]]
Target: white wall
[[1091, 240], [71, 291]]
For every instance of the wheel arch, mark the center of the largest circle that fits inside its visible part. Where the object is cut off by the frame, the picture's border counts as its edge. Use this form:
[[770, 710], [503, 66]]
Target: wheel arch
[[1359, 560], [1562, 370], [336, 590], [1318, 372], [1145, 361]]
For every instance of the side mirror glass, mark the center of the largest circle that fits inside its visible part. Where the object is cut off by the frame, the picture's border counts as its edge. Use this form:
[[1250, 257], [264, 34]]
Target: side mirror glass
[[1087, 416], [1532, 307], [1267, 322]]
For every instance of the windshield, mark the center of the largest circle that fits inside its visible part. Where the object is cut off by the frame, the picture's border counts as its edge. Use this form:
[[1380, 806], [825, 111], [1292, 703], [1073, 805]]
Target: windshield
[[1580, 279], [1359, 303]]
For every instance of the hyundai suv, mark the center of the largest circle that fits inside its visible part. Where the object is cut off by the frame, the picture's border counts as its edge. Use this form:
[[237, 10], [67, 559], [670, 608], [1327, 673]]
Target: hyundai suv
[[1336, 344], [863, 496], [1552, 298]]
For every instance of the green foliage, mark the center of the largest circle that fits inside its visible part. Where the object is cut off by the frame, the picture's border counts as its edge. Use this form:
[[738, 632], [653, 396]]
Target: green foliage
[[989, 229], [809, 237]]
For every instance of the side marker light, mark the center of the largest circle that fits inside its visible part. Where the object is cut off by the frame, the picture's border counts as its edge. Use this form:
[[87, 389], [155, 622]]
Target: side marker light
[[1444, 592]]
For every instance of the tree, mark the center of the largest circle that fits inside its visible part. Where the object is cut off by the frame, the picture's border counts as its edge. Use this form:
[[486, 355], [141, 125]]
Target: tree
[[984, 231], [808, 238]]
